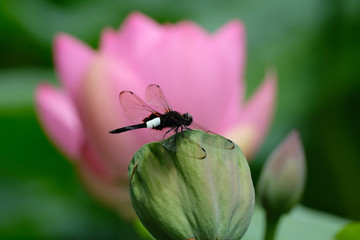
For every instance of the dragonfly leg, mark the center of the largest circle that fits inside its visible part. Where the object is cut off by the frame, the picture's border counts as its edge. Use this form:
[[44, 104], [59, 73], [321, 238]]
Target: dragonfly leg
[[175, 134], [168, 132], [182, 130]]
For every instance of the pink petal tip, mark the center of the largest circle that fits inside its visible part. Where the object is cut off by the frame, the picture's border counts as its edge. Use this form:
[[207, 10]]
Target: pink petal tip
[[59, 117]]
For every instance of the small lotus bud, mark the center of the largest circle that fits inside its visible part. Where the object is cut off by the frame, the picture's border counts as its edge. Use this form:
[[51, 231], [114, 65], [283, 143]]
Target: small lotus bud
[[178, 195], [282, 179]]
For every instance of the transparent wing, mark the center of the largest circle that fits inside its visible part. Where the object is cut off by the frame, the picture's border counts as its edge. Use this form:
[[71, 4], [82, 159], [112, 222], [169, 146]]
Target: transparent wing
[[134, 107], [160, 135], [213, 139], [195, 125], [155, 96], [185, 146]]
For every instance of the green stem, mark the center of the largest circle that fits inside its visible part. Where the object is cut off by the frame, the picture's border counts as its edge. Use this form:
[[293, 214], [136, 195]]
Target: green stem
[[271, 227]]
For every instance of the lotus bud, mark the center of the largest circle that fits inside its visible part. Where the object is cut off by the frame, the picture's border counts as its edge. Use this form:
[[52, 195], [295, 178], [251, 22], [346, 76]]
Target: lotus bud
[[179, 195], [281, 181]]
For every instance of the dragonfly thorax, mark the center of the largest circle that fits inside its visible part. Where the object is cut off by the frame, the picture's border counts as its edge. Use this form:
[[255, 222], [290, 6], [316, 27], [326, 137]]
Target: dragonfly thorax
[[173, 119]]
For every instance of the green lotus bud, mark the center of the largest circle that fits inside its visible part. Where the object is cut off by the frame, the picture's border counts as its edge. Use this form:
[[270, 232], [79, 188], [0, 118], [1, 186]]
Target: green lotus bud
[[179, 195], [282, 179]]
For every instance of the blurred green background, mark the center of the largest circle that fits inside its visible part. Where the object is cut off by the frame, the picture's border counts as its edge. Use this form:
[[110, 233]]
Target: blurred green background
[[313, 44]]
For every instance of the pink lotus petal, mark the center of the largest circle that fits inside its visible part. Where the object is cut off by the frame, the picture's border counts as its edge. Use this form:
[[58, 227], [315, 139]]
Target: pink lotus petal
[[72, 59], [230, 42], [100, 112], [185, 65], [230, 45], [109, 42], [60, 119], [138, 34], [113, 195], [255, 119], [99, 168], [260, 107]]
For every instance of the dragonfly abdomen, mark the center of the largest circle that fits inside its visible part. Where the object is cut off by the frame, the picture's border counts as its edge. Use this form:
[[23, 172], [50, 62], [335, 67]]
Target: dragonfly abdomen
[[128, 128]]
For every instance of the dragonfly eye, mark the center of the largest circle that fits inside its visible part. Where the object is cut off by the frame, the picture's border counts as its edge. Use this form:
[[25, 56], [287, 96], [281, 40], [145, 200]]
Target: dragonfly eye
[[187, 119]]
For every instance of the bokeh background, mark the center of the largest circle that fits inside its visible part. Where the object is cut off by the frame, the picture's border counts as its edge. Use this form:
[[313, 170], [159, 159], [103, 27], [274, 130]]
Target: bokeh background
[[313, 44]]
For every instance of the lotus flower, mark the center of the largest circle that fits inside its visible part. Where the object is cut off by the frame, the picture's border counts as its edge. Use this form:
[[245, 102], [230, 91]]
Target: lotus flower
[[200, 73]]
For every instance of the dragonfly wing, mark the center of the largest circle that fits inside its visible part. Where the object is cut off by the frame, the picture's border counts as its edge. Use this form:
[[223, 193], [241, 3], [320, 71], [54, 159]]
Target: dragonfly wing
[[155, 96], [195, 125], [170, 142], [218, 141], [134, 107], [212, 139], [183, 144], [160, 135]]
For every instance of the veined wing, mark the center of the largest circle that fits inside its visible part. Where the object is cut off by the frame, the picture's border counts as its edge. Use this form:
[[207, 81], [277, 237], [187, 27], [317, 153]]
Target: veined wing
[[213, 139], [160, 135], [178, 141], [195, 125], [155, 96], [134, 107], [183, 144]]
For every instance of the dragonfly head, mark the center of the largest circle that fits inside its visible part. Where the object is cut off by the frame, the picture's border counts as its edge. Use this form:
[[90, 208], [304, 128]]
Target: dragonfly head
[[187, 119]]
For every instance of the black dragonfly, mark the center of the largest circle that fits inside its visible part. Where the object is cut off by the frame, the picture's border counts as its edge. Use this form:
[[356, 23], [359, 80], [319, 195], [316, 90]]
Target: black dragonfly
[[164, 122]]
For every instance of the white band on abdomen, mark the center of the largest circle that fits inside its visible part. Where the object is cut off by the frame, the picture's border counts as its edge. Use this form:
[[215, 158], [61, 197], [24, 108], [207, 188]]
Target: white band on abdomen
[[153, 123]]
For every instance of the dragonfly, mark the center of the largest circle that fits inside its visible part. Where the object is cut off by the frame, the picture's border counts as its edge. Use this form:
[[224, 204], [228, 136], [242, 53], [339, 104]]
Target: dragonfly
[[156, 113]]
